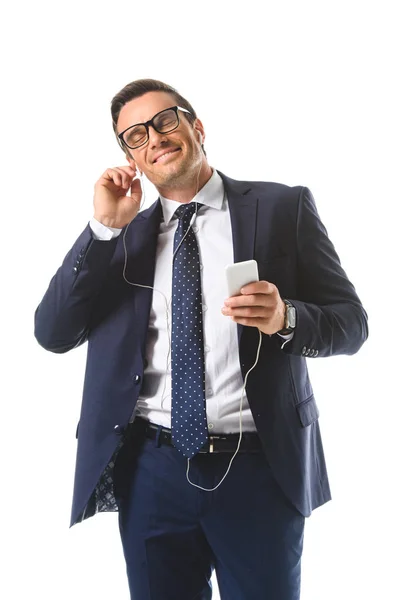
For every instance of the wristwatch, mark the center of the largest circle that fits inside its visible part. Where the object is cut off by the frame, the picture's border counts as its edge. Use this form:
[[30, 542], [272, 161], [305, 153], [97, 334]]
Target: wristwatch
[[290, 318]]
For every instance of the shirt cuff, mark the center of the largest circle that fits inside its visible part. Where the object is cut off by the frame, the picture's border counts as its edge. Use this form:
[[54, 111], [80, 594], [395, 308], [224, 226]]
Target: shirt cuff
[[288, 336], [101, 232]]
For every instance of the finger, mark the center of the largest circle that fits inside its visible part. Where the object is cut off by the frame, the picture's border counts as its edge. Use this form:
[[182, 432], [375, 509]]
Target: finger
[[258, 287], [126, 178], [247, 311], [119, 176], [114, 176], [135, 187], [128, 170], [251, 300], [259, 323]]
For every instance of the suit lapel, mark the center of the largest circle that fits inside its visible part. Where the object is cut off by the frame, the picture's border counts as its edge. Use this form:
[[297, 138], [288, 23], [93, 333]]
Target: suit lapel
[[141, 241], [243, 211]]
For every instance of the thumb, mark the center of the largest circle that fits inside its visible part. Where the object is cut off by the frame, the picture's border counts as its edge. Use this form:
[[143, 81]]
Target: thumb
[[136, 188]]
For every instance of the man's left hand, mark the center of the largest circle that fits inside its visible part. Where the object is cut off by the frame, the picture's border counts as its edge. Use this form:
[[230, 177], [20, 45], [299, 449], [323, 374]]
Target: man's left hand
[[259, 305]]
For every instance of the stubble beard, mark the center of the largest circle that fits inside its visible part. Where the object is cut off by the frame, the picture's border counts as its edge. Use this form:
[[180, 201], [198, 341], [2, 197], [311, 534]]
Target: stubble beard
[[179, 175]]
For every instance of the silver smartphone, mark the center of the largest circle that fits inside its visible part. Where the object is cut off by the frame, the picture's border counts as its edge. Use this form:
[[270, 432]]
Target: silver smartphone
[[240, 274]]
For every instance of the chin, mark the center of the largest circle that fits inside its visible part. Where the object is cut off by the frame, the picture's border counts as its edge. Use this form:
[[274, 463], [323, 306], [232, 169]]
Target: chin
[[170, 172]]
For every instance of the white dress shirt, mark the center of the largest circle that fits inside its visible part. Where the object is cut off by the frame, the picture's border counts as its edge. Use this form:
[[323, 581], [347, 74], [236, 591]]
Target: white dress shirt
[[224, 380]]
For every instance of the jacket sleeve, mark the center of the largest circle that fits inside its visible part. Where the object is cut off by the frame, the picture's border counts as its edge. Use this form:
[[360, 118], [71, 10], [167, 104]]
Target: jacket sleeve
[[63, 315], [330, 317]]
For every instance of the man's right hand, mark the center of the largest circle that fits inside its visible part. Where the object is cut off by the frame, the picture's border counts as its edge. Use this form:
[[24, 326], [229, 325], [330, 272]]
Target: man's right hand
[[112, 206]]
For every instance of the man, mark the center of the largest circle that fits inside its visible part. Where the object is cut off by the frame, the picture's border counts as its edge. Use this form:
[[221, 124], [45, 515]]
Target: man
[[204, 474]]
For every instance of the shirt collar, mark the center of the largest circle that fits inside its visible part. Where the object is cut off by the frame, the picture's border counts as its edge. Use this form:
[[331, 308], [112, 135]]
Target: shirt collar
[[212, 195]]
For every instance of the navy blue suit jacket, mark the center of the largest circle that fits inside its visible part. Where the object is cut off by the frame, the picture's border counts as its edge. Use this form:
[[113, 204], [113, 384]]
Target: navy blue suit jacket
[[88, 300]]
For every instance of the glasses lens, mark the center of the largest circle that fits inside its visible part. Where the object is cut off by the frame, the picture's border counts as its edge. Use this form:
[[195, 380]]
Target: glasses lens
[[166, 121], [135, 136]]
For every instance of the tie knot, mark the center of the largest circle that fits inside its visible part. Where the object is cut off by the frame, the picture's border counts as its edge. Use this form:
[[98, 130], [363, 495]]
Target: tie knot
[[186, 211]]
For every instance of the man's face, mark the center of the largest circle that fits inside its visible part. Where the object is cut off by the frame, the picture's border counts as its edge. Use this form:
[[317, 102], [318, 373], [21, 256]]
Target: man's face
[[179, 167]]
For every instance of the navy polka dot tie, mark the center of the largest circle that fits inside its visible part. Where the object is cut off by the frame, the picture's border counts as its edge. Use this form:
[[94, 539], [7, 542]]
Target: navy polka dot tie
[[188, 406]]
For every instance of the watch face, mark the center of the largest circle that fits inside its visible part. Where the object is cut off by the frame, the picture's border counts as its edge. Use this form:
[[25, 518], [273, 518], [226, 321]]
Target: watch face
[[291, 314]]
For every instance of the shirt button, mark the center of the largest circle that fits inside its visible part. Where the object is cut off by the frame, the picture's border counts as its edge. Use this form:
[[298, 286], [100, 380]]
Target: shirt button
[[201, 267], [209, 392], [195, 229], [207, 349], [210, 426], [204, 307]]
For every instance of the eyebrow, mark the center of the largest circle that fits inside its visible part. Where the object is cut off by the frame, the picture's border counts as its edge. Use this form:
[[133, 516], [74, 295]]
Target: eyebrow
[[146, 122]]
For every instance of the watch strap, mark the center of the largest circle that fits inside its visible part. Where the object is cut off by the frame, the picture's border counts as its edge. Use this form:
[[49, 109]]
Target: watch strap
[[287, 329]]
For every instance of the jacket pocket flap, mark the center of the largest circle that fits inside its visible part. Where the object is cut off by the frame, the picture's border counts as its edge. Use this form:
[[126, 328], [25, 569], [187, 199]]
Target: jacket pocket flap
[[308, 411]]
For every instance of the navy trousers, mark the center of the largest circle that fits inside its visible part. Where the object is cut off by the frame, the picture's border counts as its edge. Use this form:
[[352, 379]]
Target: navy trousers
[[174, 535]]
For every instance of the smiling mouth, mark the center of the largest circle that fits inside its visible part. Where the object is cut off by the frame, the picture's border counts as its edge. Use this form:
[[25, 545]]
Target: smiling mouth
[[165, 156]]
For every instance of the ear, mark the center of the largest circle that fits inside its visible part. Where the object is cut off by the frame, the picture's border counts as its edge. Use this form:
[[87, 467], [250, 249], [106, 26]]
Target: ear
[[131, 161], [198, 126], [133, 164]]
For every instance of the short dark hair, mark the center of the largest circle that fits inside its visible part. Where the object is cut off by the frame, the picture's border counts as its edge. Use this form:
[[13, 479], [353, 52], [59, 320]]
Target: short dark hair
[[138, 88]]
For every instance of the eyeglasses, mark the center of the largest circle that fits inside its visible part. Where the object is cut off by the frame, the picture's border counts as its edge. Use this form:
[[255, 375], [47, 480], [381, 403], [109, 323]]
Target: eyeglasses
[[163, 122]]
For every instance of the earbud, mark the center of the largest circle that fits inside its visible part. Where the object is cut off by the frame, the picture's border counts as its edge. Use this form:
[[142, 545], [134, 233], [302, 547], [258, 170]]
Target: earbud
[[200, 138]]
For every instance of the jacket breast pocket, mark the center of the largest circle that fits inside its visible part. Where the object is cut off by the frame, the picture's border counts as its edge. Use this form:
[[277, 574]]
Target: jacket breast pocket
[[308, 411]]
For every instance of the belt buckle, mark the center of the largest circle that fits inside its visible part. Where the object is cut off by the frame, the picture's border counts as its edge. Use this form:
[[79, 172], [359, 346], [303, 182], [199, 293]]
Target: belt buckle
[[210, 450], [211, 440]]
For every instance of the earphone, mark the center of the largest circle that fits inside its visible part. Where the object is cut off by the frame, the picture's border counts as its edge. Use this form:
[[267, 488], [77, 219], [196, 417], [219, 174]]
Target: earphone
[[167, 303]]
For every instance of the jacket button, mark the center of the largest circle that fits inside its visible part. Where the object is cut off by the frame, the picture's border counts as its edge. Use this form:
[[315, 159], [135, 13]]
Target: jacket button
[[137, 379], [118, 429]]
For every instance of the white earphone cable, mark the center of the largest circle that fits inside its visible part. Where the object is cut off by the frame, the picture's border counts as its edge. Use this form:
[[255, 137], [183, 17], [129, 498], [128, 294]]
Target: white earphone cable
[[240, 429], [167, 310]]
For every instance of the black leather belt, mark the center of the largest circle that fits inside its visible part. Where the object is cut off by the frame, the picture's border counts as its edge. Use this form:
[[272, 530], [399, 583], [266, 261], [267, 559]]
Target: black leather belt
[[250, 442]]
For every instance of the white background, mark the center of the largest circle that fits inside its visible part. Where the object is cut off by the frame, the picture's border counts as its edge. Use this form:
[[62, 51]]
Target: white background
[[313, 88]]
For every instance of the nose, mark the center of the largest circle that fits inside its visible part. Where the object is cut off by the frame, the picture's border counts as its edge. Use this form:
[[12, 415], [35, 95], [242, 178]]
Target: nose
[[155, 138]]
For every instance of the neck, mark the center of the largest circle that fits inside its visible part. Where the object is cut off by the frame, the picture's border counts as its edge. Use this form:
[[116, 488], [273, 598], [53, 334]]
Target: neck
[[187, 191]]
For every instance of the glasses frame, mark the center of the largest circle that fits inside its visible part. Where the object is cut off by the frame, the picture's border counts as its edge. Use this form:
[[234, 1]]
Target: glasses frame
[[151, 122]]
